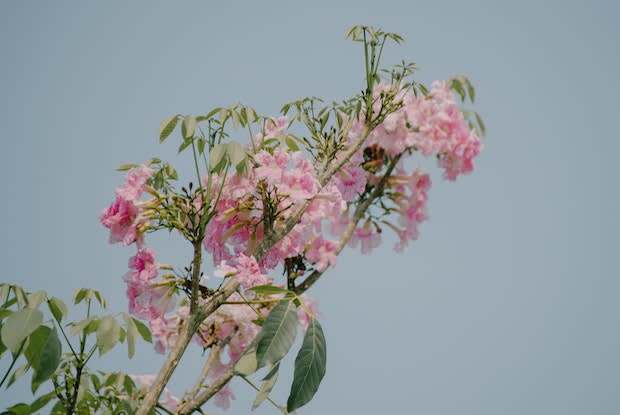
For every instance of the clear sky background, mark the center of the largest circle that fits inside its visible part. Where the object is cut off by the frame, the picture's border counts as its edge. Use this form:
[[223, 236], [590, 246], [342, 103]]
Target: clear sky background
[[508, 302]]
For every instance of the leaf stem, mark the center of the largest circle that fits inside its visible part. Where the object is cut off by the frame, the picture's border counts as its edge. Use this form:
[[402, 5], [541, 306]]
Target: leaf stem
[[257, 389], [15, 357]]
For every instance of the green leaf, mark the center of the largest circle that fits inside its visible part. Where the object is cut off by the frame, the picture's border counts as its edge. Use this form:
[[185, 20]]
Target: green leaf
[[189, 126], [235, 118], [144, 331], [216, 155], [126, 166], [265, 388], [132, 333], [236, 152], [42, 401], [186, 143], [49, 361], [167, 127], [58, 308], [290, 143], [277, 334], [247, 363], [108, 334], [18, 373], [58, 409], [129, 384], [18, 409], [457, 86], [2, 348], [35, 299], [200, 144], [268, 289], [20, 296], [100, 299], [213, 112], [310, 366], [77, 327], [4, 292], [36, 344], [92, 326], [81, 294], [470, 90], [19, 326], [480, 124]]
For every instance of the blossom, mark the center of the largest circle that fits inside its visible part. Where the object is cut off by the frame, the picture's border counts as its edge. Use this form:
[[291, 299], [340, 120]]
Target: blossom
[[147, 300], [432, 124], [162, 333], [367, 237], [223, 397], [245, 269], [123, 217], [322, 253], [170, 401], [276, 186], [411, 205], [135, 182]]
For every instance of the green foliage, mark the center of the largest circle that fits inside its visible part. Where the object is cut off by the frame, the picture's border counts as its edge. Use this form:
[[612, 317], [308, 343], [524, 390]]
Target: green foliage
[[167, 126], [19, 326], [25, 332], [267, 385], [108, 334], [278, 334], [43, 354], [310, 365]]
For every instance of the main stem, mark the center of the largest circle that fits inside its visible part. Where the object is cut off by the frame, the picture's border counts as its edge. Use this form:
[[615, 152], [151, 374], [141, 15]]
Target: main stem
[[186, 333]]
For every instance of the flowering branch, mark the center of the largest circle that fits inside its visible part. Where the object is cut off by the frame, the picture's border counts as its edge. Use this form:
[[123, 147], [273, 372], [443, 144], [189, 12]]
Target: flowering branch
[[273, 208], [348, 232]]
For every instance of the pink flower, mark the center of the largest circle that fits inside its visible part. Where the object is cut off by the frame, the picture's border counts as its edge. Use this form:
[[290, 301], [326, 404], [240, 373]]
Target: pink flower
[[322, 253], [121, 218], [223, 397], [135, 181], [246, 270], [411, 206], [147, 299], [162, 333], [170, 401], [144, 267], [367, 237]]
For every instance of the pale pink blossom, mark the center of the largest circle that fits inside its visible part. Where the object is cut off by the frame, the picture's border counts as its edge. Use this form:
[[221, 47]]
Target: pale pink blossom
[[223, 397], [245, 269], [367, 237], [121, 218], [135, 182], [170, 401], [322, 253]]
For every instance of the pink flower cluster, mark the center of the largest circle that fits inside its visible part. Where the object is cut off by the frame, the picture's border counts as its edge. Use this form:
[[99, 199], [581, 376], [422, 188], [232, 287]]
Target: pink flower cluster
[[123, 216], [245, 270], [432, 124], [277, 183], [148, 300], [413, 195], [234, 322]]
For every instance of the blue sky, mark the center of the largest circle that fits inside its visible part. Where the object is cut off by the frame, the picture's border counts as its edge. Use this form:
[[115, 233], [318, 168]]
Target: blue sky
[[508, 302]]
